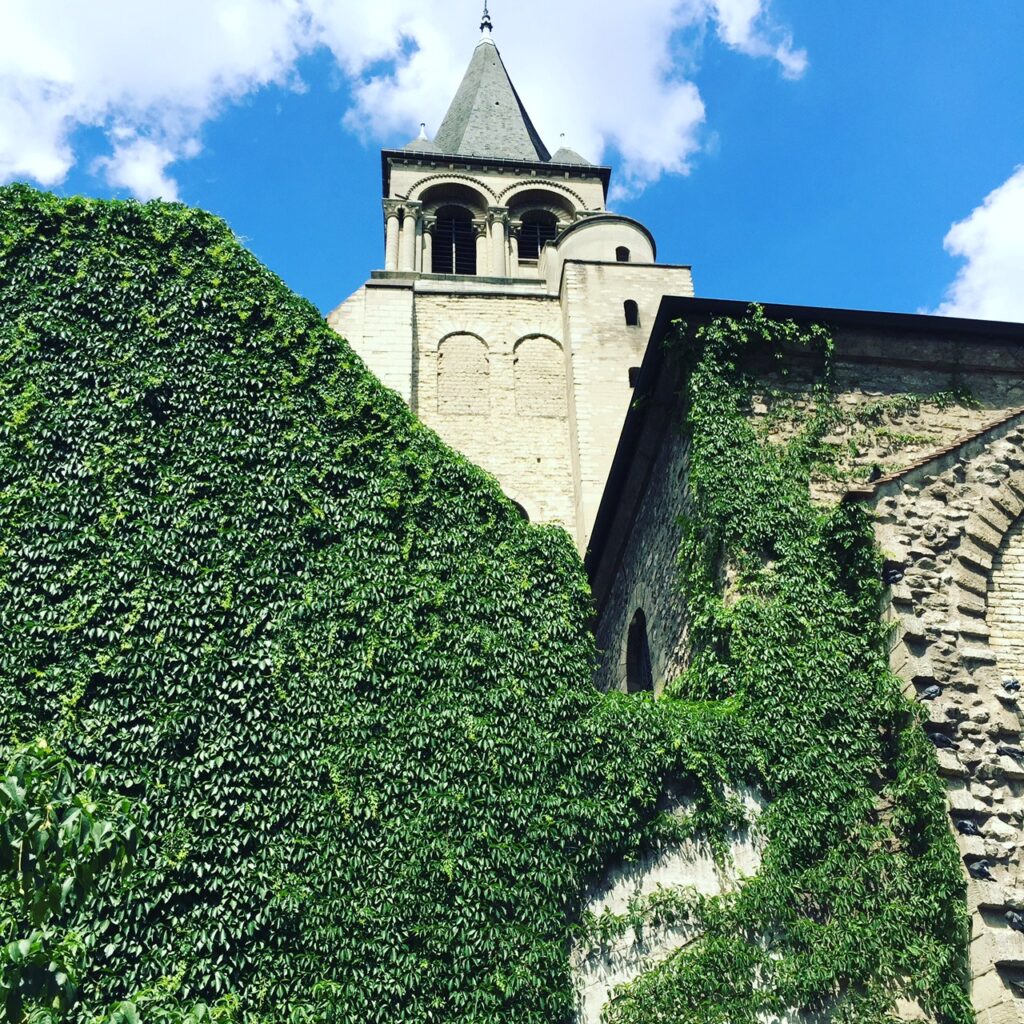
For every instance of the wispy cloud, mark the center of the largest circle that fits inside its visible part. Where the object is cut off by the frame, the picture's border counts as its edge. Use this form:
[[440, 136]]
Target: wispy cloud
[[151, 75], [990, 284]]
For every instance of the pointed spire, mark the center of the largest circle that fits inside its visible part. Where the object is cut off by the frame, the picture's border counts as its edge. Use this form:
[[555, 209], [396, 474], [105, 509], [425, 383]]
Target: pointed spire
[[487, 118], [486, 25]]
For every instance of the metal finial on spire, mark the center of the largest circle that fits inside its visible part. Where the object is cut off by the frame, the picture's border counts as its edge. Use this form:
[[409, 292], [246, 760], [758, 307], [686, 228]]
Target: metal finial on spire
[[486, 25], [423, 132]]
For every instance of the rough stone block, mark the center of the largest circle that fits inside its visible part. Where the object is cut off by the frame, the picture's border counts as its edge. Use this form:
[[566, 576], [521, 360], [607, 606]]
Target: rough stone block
[[968, 578], [1001, 946], [988, 990], [1006, 1012], [971, 603], [973, 555], [978, 655]]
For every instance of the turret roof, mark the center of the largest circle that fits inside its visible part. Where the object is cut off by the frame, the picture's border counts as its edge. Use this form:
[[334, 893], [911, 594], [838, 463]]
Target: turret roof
[[487, 117]]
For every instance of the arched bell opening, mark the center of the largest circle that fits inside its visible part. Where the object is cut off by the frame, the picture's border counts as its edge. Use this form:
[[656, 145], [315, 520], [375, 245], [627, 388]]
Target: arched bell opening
[[453, 250], [536, 229]]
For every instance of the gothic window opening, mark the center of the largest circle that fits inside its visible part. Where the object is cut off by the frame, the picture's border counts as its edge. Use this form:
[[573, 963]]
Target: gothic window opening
[[622, 254], [454, 248], [639, 674], [538, 228], [632, 311]]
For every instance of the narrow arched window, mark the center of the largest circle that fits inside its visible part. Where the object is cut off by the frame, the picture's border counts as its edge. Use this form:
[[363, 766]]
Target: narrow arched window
[[639, 675], [454, 249], [622, 254], [537, 229], [632, 311]]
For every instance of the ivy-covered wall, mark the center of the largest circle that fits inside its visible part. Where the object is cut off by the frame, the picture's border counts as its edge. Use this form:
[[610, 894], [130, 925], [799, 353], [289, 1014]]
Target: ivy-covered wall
[[772, 618], [349, 683], [349, 688]]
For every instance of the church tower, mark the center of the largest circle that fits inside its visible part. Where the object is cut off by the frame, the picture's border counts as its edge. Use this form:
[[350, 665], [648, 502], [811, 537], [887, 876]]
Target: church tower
[[512, 305]]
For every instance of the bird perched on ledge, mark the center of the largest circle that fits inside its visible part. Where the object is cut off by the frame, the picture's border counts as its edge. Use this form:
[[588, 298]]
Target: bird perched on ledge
[[968, 828], [979, 870]]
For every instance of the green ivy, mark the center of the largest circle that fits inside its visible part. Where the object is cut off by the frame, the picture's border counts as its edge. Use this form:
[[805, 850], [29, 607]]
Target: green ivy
[[860, 898], [352, 687], [350, 684]]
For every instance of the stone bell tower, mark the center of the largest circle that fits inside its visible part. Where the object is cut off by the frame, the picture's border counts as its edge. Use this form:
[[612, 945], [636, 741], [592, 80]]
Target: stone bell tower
[[512, 305]]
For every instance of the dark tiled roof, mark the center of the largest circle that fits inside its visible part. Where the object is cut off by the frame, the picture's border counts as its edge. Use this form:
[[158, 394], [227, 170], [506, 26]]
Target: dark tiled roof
[[569, 156], [487, 118]]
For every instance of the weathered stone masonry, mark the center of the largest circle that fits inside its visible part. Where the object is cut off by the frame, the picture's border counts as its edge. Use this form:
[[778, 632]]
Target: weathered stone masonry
[[954, 526], [950, 522]]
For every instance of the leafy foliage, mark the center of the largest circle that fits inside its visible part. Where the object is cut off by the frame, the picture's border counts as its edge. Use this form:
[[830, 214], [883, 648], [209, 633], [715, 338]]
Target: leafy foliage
[[244, 585], [55, 837], [350, 684], [861, 895]]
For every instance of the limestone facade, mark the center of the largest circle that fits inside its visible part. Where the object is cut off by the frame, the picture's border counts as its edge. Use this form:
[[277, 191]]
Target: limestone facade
[[512, 305]]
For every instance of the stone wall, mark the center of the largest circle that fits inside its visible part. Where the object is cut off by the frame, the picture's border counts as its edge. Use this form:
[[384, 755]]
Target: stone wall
[[508, 411], [947, 439], [953, 528], [599, 968], [648, 576], [603, 350]]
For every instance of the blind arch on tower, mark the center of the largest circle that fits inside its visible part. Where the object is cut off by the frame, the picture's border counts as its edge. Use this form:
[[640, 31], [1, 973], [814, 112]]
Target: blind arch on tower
[[463, 376], [454, 242], [539, 365]]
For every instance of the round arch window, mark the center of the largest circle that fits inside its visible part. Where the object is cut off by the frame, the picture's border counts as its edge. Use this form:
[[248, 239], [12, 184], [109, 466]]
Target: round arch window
[[454, 248], [537, 229], [639, 674]]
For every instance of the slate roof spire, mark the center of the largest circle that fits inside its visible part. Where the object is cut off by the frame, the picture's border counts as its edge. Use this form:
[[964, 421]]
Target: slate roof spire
[[487, 118]]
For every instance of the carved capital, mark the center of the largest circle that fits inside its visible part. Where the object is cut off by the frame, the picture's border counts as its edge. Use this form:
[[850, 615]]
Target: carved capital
[[392, 207], [497, 215]]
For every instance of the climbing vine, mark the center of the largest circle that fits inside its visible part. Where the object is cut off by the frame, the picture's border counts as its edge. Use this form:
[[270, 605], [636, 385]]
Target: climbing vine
[[349, 683], [352, 688], [860, 897]]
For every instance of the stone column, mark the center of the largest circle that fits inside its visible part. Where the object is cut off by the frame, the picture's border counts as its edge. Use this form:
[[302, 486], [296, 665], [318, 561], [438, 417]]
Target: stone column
[[428, 245], [513, 270], [481, 247], [498, 218], [392, 215], [410, 233], [419, 246]]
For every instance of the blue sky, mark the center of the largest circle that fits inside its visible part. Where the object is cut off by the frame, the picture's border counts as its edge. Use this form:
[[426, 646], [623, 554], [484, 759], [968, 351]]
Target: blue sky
[[791, 151]]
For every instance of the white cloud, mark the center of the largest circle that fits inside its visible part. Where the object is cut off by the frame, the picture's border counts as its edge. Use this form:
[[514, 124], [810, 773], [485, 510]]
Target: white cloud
[[990, 285], [744, 25], [150, 75]]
